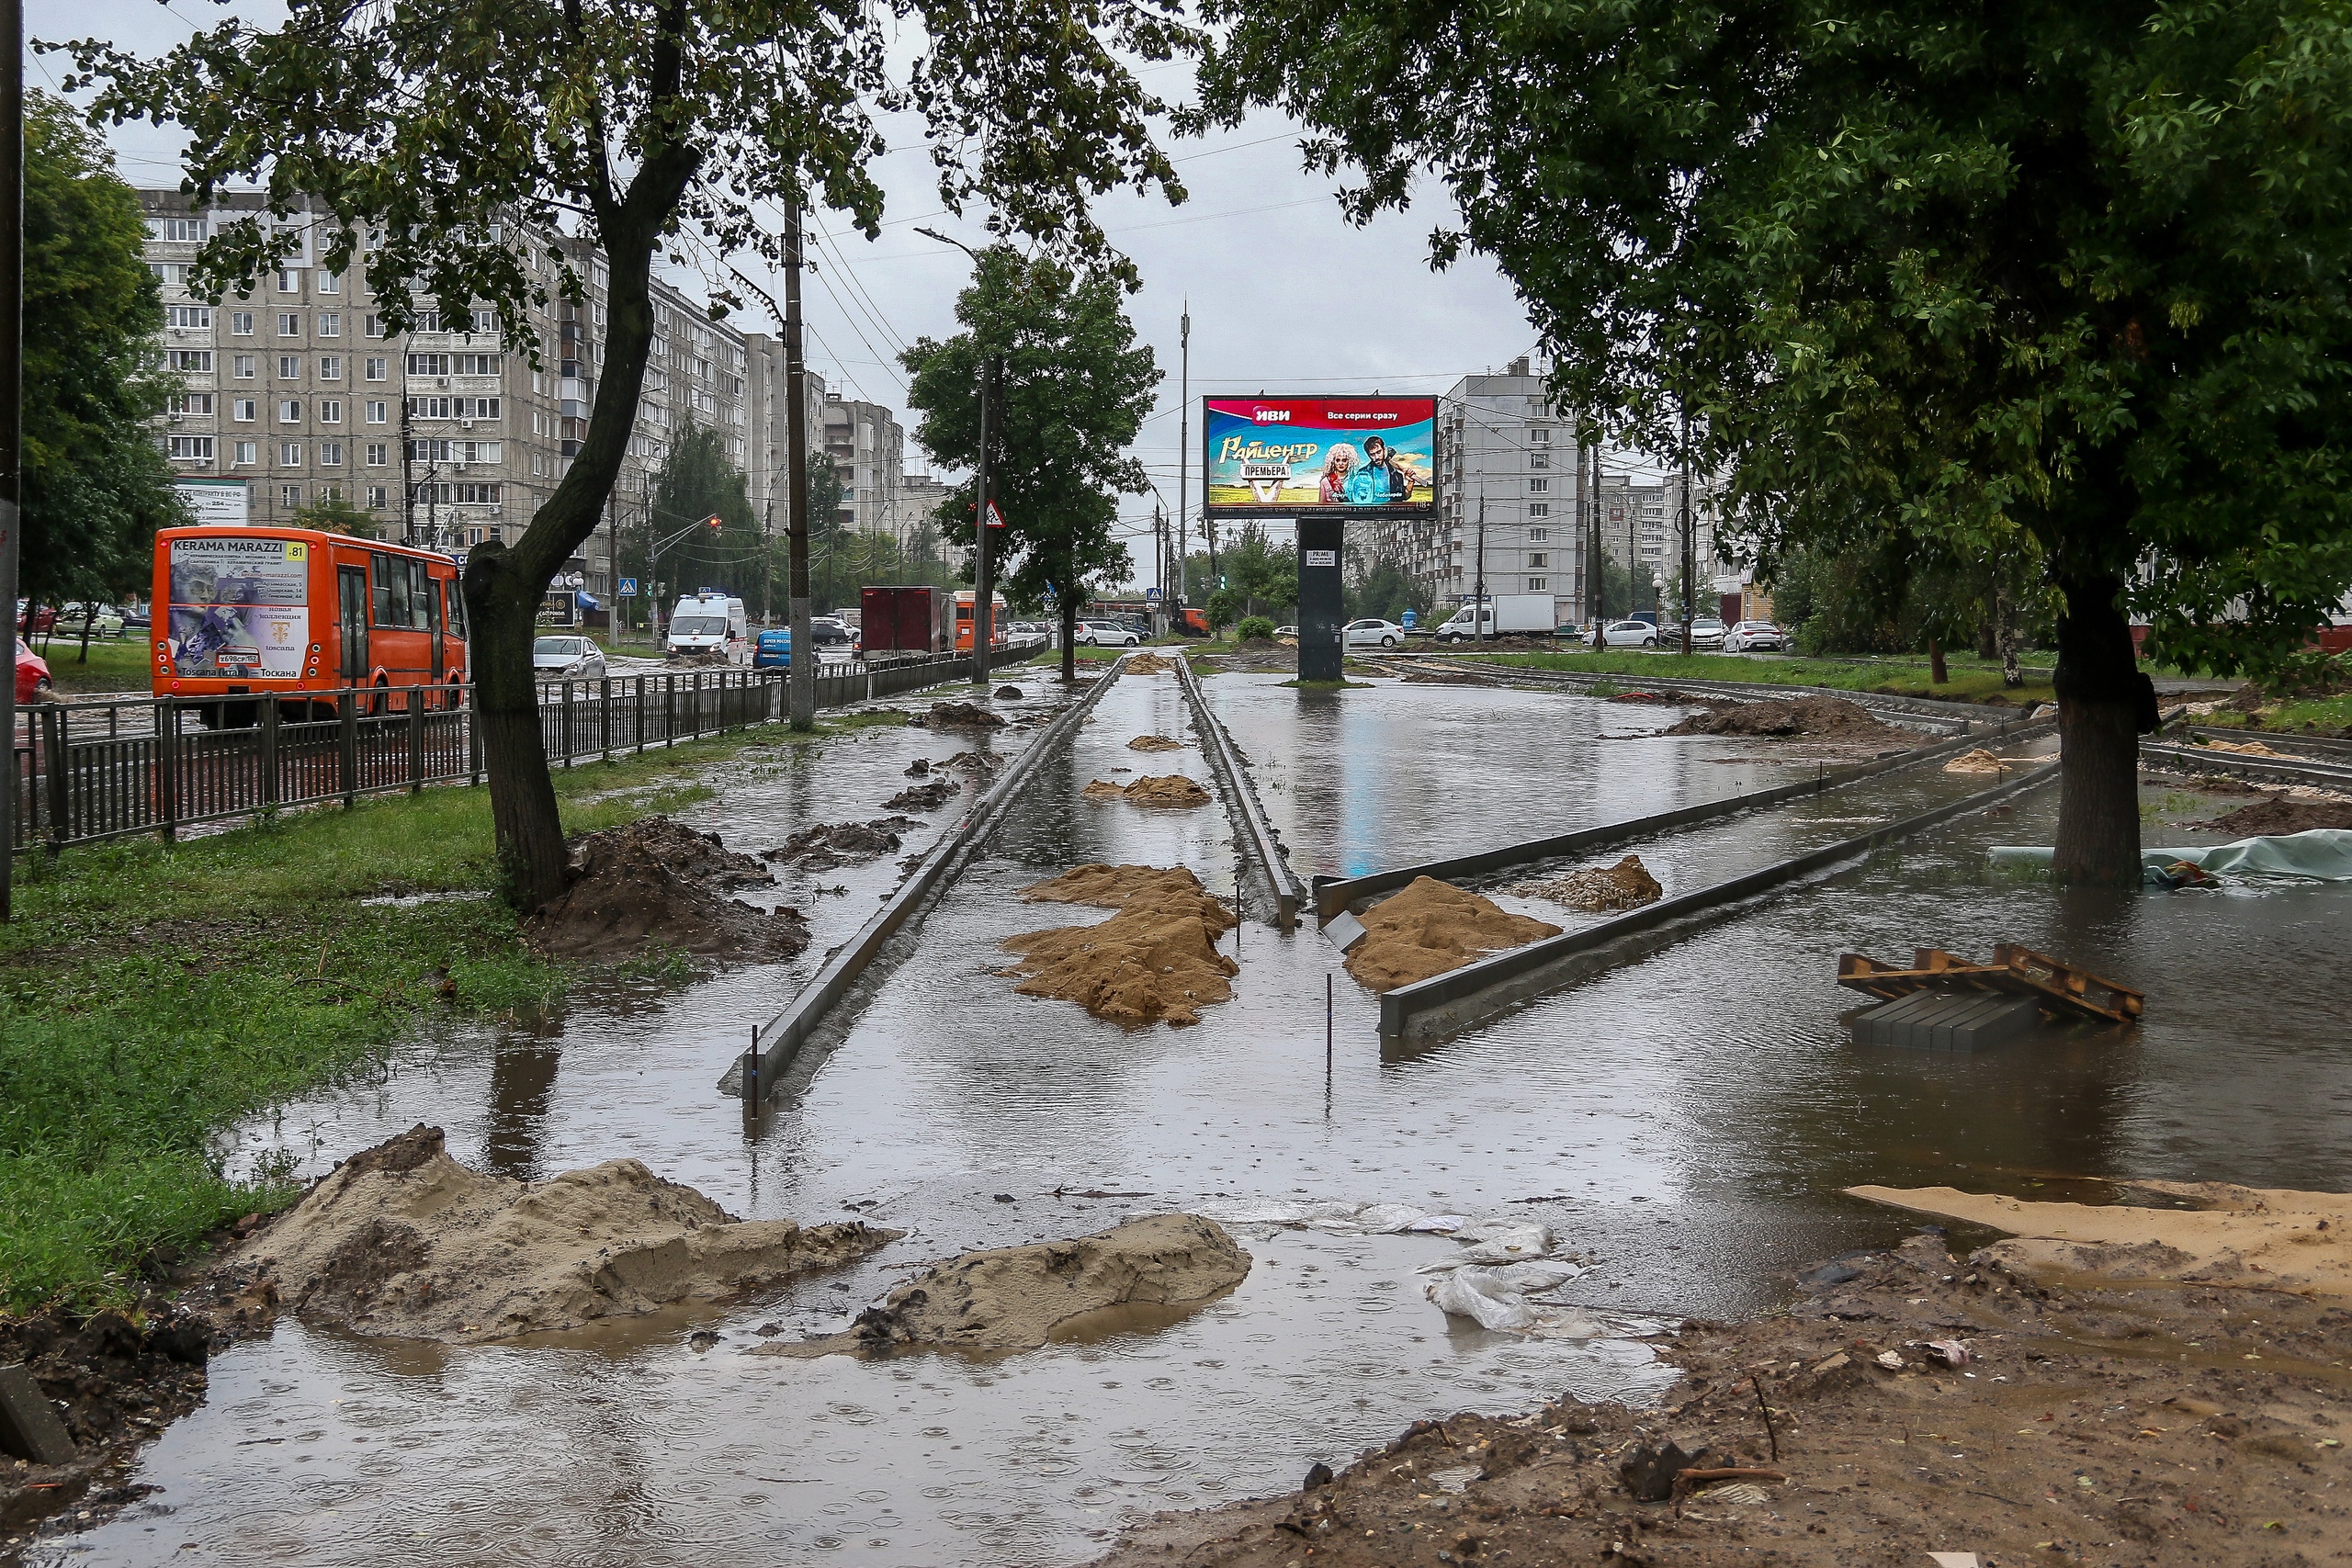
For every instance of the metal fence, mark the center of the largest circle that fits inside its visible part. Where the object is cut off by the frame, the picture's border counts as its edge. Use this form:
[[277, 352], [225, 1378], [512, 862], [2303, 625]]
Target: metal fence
[[104, 769]]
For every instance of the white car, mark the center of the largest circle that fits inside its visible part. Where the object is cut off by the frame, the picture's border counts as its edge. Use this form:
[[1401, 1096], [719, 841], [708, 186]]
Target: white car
[[1706, 632], [1373, 634], [1630, 634], [1106, 634], [566, 658], [1749, 635]]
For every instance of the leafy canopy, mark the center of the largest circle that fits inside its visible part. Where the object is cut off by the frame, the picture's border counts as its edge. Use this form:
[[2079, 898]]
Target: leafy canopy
[[2063, 283]]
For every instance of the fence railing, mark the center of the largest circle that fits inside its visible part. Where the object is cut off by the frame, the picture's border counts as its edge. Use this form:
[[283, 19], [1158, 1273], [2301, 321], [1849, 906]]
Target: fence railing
[[105, 770]]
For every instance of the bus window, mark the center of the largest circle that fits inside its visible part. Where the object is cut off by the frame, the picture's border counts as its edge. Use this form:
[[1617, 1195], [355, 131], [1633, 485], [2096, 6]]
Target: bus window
[[456, 606], [351, 613], [428, 597]]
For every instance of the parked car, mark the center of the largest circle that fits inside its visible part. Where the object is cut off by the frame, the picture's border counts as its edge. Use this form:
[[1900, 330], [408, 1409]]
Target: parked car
[[1106, 634], [43, 619], [1706, 632], [32, 675], [1372, 634], [1630, 634], [833, 639], [136, 618], [1285, 631], [566, 658], [772, 651], [104, 620], [1749, 635]]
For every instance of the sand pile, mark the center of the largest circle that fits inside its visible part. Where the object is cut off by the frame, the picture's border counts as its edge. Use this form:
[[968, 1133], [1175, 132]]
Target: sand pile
[[831, 844], [648, 885], [2208, 1233], [1169, 789], [958, 716], [2282, 814], [1832, 718], [1155, 743], [1432, 927], [2243, 748], [924, 796], [403, 1241], [1628, 885], [1018, 1298], [1978, 761], [1156, 959], [1150, 664]]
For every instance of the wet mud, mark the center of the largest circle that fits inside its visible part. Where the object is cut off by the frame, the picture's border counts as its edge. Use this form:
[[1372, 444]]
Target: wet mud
[[958, 716], [1628, 885], [1155, 743], [2282, 814], [654, 886], [828, 845], [1155, 960], [1812, 717]]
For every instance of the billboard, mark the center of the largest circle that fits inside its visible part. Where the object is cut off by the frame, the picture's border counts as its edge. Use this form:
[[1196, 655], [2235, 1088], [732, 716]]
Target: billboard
[[222, 502], [1306, 454], [240, 606]]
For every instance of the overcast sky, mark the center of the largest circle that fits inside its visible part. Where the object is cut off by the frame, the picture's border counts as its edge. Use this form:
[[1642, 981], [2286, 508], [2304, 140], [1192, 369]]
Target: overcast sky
[[1287, 296]]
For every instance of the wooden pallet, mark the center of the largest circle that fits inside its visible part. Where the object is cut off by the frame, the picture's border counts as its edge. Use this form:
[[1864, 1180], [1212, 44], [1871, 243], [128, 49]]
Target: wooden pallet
[[2058, 985]]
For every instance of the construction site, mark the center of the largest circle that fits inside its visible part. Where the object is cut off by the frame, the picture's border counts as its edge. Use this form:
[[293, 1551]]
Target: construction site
[[1160, 1120]]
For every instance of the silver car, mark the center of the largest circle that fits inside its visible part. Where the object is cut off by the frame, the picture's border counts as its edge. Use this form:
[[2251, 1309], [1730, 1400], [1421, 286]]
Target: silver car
[[1374, 633], [1749, 635], [1630, 634], [566, 658]]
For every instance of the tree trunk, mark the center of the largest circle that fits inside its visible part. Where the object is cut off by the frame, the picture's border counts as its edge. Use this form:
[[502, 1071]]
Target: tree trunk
[[502, 604], [2099, 729], [88, 622], [1936, 673], [1988, 646], [2005, 636], [1069, 628]]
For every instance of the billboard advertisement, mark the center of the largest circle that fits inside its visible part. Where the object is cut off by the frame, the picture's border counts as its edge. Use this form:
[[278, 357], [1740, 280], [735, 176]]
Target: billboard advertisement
[[1318, 454], [220, 503], [240, 606]]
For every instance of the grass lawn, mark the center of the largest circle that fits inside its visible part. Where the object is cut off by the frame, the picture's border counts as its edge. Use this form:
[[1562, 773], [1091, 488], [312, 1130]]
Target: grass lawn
[[1971, 682], [151, 995], [2330, 714], [116, 664]]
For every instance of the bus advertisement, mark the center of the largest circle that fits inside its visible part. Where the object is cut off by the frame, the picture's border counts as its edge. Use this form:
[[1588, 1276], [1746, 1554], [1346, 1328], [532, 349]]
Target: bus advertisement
[[245, 612]]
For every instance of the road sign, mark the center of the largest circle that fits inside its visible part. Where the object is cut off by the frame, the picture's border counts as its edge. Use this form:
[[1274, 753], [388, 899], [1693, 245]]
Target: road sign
[[1151, 594], [627, 589], [996, 518]]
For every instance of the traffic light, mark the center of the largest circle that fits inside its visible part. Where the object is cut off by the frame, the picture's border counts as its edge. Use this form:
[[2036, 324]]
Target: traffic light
[[712, 523]]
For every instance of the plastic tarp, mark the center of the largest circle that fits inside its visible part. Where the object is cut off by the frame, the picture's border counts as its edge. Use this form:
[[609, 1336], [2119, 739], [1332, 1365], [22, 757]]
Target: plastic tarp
[[2323, 854]]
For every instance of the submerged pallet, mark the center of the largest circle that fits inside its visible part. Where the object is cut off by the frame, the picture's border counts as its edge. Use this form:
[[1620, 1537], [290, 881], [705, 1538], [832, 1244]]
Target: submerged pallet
[[1948, 1020], [2055, 984]]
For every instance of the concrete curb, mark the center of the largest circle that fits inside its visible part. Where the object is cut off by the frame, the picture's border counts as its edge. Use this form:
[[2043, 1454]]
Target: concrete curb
[[1241, 800], [776, 1042], [1972, 714], [1448, 1002], [2311, 768]]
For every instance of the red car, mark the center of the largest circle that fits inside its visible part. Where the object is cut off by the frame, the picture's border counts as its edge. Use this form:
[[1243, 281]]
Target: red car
[[32, 674]]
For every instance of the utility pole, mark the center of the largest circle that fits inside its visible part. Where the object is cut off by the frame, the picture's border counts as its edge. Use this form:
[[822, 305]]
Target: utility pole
[[983, 556], [1599, 553], [1160, 553], [800, 684], [767, 566], [1690, 548], [1478, 615], [12, 407], [1185, 444]]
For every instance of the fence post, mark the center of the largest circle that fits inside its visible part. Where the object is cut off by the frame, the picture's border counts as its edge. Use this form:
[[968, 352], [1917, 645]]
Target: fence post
[[269, 752], [52, 724], [568, 746], [604, 716], [167, 764], [348, 713], [416, 740], [473, 748], [669, 710], [641, 714]]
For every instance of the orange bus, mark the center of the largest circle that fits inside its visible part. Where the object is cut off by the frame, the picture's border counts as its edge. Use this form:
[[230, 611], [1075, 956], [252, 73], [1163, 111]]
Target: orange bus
[[249, 613], [965, 600]]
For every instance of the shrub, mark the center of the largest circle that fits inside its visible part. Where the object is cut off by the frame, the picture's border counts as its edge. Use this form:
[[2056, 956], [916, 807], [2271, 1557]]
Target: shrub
[[1254, 627]]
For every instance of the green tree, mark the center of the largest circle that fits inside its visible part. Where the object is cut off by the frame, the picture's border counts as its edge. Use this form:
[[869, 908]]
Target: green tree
[[1976, 278], [697, 481], [1074, 389], [336, 516], [1262, 572], [96, 485], [452, 132]]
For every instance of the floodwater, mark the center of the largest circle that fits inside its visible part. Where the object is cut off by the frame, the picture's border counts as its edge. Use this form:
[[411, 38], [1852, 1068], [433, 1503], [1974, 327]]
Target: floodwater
[[1683, 1122]]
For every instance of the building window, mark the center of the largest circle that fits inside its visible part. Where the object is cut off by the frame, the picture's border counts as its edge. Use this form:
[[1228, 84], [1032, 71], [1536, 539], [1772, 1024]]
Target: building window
[[480, 495], [245, 410], [478, 364], [289, 453], [372, 325], [244, 368], [180, 230], [191, 448], [289, 282], [1535, 584], [1540, 436], [428, 364], [379, 497], [378, 454], [329, 283], [330, 411], [290, 410], [331, 453], [427, 408], [330, 324], [289, 323], [189, 402], [241, 323], [1538, 559], [188, 317], [1539, 460], [1539, 486], [192, 361], [329, 367], [289, 496], [376, 411], [1538, 535], [247, 454], [376, 369], [1539, 509]]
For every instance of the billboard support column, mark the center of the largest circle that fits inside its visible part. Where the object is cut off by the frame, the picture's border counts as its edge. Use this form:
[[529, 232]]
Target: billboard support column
[[1321, 601]]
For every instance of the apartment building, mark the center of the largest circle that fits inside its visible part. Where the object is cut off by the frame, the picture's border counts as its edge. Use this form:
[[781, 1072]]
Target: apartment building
[[868, 449], [1506, 453]]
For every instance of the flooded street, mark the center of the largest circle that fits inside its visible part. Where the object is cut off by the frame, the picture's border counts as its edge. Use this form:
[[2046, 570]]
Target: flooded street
[[1683, 1124]]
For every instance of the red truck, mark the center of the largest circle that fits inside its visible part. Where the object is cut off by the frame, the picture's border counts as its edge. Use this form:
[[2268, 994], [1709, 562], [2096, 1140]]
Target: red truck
[[909, 620]]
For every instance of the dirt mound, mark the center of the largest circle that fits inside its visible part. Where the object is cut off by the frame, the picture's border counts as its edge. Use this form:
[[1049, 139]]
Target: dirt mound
[[1018, 1298], [415, 1245], [831, 844], [1169, 789], [919, 768], [2279, 813], [1155, 743], [1155, 959], [1982, 761], [648, 885], [1628, 885], [1832, 718], [980, 764], [1432, 927], [1149, 663], [2243, 748], [1439, 675], [1010, 693], [958, 716], [1264, 645], [925, 797], [1665, 696]]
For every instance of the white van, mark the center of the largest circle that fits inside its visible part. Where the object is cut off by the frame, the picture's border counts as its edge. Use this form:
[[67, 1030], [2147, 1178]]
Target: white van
[[711, 627]]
